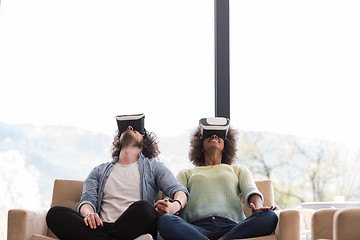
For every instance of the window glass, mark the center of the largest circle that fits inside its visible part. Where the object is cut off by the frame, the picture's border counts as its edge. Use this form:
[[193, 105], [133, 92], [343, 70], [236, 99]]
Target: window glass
[[68, 67], [294, 91]]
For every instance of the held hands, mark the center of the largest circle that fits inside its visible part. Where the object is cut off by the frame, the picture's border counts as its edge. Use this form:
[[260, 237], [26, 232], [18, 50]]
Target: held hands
[[254, 209], [163, 207], [93, 220]]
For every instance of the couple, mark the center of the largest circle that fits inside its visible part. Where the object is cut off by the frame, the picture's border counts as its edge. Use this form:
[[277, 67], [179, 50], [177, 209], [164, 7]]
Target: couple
[[118, 200]]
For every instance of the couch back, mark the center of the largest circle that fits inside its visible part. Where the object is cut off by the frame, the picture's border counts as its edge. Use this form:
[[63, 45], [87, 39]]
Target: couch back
[[67, 193]]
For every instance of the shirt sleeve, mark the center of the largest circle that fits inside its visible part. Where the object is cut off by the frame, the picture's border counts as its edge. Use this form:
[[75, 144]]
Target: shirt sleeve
[[90, 190], [247, 184], [166, 181]]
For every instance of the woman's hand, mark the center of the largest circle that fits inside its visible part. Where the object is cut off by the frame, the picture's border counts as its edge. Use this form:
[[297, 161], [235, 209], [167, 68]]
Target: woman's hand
[[93, 220], [262, 208], [163, 207]]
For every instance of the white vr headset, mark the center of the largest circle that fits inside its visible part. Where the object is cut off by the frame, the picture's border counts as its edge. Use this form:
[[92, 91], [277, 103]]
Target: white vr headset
[[218, 126]]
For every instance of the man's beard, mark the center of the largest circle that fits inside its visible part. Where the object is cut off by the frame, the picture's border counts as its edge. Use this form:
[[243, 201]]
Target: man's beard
[[129, 140]]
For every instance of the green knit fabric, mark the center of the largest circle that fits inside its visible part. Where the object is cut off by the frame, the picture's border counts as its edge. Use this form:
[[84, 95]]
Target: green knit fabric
[[214, 191]]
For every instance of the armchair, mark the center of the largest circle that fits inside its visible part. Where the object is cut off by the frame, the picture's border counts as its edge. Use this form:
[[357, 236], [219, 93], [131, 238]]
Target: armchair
[[289, 220], [336, 224], [30, 225]]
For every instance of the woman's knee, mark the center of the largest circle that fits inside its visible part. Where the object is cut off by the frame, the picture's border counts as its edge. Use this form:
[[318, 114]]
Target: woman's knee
[[271, 219], [167, 226], [271, 215], [164, 219], [174, 228]]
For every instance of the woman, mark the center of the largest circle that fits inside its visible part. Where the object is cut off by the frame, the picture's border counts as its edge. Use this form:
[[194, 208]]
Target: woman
[[214, 210]]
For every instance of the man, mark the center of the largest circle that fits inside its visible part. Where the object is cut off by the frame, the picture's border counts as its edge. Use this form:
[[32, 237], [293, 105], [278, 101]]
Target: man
[[118, 197]]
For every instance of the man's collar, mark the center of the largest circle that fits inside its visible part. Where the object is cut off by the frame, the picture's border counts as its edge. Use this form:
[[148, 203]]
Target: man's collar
[[141, 156], [116, 158]]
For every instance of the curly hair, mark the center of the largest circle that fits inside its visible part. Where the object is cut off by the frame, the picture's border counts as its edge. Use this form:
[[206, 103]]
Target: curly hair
[[196, 154], [150, 147]]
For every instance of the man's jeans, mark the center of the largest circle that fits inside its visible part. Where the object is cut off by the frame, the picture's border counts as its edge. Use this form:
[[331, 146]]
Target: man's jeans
[[67, 224], [260, 223]]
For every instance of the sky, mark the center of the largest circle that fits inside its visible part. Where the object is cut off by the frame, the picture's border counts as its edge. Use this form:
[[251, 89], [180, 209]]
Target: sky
[[294, 65]]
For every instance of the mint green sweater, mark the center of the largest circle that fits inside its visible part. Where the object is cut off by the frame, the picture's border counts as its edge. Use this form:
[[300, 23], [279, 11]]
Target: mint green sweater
[[214, 191]]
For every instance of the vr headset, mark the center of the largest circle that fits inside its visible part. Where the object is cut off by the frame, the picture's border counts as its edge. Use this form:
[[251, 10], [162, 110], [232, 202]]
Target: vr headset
[[218, 126], [136, 121]]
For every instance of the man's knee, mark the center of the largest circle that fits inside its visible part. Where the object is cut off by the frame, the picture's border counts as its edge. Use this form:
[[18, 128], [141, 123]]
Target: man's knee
[[53, 212], [144, 208], [143, 203], [52, 215]]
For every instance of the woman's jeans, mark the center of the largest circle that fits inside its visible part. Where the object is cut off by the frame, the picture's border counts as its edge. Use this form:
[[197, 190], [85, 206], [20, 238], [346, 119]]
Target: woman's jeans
[[67, 224], [260, 223]]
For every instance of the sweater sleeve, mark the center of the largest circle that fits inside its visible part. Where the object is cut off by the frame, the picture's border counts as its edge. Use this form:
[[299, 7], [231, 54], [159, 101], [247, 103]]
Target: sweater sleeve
[[246, 183], [181, 177]]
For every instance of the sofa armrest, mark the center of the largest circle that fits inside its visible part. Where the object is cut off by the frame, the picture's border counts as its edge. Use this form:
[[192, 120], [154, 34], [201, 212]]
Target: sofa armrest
[[322, 224], [22, 224], [288, 227], [346, 223]]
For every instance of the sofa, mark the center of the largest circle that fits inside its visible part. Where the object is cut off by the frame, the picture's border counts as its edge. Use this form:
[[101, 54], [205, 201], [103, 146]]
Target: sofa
[[336, 224], [31, 225]]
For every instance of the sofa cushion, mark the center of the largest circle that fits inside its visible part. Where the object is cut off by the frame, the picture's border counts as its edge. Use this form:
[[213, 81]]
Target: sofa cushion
[[40, 237]]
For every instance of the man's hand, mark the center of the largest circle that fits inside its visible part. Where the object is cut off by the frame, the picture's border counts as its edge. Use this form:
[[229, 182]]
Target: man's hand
[[163, 207], [93, 220], [254, 209]]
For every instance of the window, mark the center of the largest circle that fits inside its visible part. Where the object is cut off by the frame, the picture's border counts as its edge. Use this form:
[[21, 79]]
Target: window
[[294, 74]]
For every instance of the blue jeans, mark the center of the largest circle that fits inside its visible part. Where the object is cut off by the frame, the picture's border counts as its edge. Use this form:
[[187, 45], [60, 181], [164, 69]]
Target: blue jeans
[[260, 223]]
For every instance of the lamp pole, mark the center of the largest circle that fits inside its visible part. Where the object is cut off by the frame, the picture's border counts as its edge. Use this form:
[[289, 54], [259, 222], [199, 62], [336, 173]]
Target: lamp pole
[[222, 60]]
